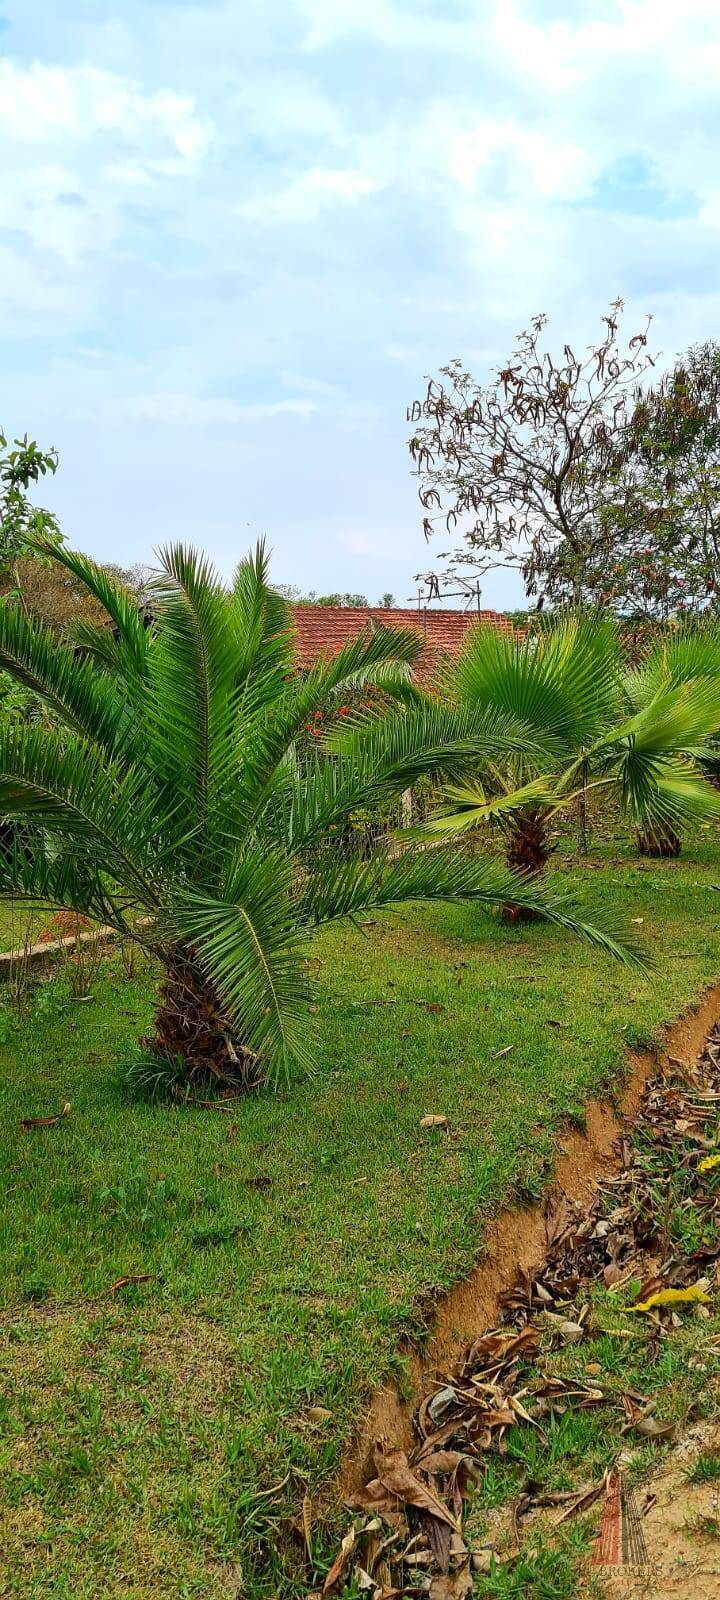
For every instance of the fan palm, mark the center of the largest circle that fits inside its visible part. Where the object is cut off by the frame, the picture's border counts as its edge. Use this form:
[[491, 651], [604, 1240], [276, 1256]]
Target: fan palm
[[690, 657], [563, 683], [164, 795], [642, 737]]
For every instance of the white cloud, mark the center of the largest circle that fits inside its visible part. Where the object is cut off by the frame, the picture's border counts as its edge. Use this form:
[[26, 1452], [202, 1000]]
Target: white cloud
[[309, 194], [62, 127], [186, 410], [281, 106], [543, 158], [193, 193], [80, 145], [40, 104], [318, 386], [331, 20]]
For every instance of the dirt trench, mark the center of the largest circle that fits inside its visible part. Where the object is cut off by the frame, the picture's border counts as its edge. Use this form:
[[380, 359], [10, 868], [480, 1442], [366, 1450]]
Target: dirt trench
[[517, 1239]]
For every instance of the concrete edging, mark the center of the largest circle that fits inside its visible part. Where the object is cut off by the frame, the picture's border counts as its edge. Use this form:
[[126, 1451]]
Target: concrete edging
[[39, 955]]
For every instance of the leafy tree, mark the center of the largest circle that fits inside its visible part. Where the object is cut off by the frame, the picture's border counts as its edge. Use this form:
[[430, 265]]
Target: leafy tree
[[525, 467], [135, 579], [642, 736], [171, 803], [659, 544], [22, 464], [351, 602], [50, 595], [387, 602]]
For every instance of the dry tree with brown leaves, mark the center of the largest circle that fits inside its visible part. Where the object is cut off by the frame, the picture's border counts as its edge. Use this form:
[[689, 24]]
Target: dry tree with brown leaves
[[524, 467]]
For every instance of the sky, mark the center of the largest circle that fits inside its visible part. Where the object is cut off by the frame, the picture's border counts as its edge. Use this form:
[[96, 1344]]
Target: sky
[[236, 236]]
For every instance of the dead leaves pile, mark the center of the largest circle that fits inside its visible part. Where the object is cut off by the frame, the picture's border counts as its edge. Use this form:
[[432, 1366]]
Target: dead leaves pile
[[409, 1538], [413, 1541], [626, 1232]]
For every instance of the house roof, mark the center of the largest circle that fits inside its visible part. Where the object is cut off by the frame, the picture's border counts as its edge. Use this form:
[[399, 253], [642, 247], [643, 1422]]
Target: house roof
[[322, 630]]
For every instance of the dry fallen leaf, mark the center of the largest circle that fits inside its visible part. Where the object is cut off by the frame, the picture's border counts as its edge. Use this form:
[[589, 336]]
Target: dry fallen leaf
[[318, 1414], [518, 1410], [45, 1122], [397, 1476], [583, 1500], [671, 1297], [378, 1500], [562, 1327], [452, 1585], [130, 1277], [440, 1401], [433, 1121], [307, 1525], [446, 1461], [341, 1560], [504, 1347], [650, 1428]]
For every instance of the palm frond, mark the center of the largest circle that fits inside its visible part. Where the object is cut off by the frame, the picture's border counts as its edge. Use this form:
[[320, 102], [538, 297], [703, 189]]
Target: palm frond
[[693, 652], [98, 644], [41, 871], [88, 705], [349, 887], [676, 719], [467, 806], [263, 622], [115, 599], [376, 763], [194, 696], [562, 681], [664, 792], [107, 810], [247, 944], [379, 658]]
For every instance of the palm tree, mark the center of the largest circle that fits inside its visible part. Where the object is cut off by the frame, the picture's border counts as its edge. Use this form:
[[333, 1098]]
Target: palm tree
[[163, 794], [563, 683], [676, 693], [642, 736]]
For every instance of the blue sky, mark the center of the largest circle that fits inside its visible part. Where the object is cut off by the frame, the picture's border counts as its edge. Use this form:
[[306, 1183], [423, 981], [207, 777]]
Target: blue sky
[[235, 236]]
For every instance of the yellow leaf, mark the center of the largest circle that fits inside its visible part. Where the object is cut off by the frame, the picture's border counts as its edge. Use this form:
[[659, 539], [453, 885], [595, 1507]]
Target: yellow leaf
[[708, 1162], [673, 1297]]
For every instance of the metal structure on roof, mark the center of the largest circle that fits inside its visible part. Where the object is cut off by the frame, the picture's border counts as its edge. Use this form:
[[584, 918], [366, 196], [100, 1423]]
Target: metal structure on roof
[[434, 589]]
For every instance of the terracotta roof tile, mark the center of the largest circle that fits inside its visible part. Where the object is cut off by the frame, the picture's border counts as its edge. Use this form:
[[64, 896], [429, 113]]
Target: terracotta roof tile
[[322, 630]]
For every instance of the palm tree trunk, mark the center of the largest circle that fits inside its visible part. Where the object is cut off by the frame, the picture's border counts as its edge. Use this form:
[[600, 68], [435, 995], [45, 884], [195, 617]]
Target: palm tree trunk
[[581, 823], [527, 851], [660, 842], [191, 1027]]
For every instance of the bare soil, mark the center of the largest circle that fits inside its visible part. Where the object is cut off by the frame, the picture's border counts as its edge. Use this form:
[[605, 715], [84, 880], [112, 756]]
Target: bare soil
[[679, 1520]]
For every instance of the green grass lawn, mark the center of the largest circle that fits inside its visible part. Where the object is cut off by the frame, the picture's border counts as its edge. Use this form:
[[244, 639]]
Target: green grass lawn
[[154, 1440]]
